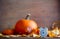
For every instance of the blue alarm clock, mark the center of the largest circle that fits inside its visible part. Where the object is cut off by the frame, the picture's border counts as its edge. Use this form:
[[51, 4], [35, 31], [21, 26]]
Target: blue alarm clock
[[43, 31]]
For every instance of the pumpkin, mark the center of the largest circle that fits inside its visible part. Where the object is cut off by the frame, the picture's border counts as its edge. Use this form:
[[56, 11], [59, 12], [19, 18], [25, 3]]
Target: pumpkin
[[8, 32], [26, 26], [54, 32], [51, 34]]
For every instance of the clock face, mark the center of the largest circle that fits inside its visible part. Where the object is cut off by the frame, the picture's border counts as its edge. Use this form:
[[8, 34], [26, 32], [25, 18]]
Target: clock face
[[43, 31]]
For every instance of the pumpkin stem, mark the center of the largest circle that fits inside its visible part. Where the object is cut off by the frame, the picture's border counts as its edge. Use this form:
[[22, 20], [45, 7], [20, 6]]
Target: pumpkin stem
[[28, 16]]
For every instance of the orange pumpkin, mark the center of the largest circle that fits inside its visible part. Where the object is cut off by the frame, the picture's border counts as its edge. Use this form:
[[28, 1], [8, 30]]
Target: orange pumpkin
[[26, 26], [8, 32]]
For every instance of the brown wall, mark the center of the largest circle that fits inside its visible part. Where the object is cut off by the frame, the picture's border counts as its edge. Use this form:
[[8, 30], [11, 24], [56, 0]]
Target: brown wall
[[44, 12]]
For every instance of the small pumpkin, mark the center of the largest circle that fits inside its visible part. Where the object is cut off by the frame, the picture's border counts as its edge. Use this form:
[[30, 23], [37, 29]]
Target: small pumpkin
[[8, 32], [51, 34], [26, 26], [54, 32]]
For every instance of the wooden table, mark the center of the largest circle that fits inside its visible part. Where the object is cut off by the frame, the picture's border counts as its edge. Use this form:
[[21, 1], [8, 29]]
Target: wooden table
[[27, 38]]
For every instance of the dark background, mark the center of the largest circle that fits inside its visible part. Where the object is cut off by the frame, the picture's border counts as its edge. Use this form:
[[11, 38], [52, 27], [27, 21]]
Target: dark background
[[44, 12]]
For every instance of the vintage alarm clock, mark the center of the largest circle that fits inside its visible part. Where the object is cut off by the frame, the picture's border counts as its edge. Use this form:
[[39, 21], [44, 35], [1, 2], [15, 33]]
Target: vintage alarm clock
[[43, 31]]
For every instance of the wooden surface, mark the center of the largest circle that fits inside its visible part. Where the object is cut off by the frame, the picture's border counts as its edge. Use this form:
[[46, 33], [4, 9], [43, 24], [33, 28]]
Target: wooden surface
[[28, 38]]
